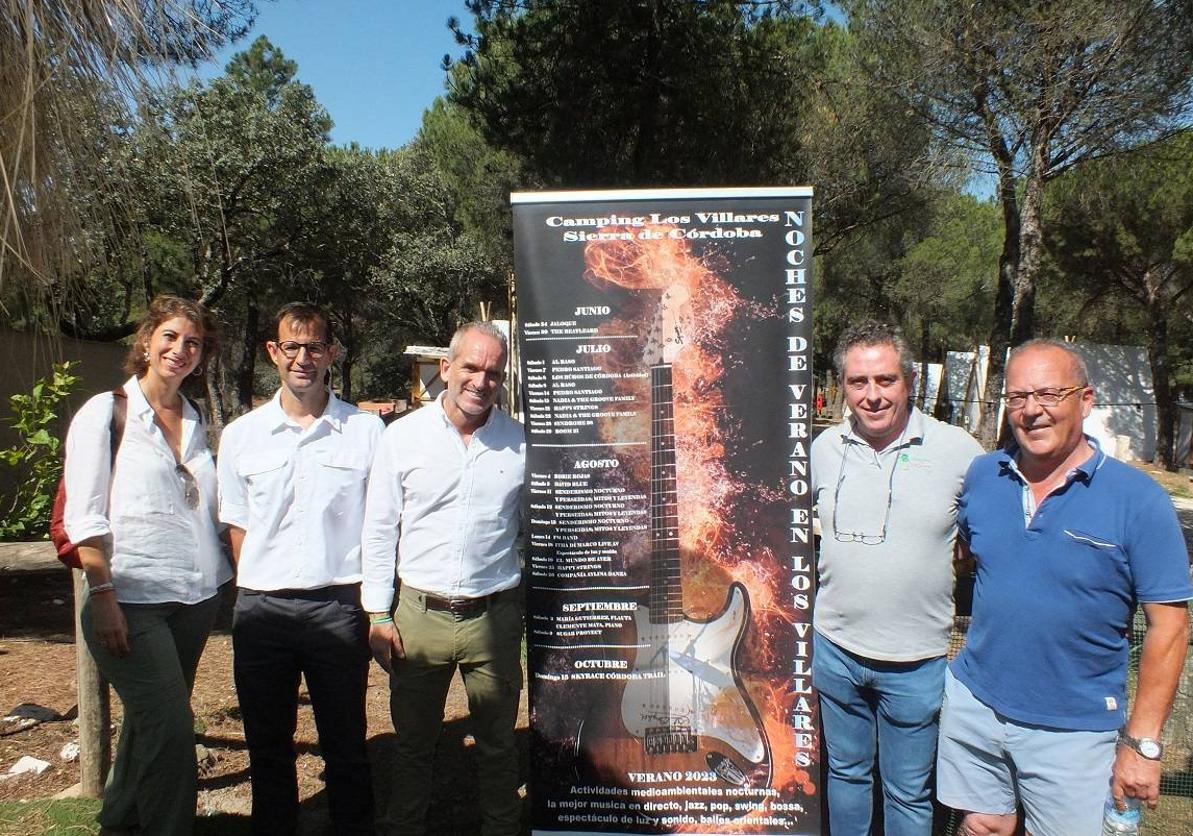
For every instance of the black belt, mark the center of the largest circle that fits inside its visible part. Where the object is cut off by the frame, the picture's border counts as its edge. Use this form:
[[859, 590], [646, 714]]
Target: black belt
[[463, 607], [348, 593]]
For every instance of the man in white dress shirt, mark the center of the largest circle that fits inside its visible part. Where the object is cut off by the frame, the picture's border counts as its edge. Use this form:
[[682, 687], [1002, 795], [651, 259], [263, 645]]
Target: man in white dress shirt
[[445, 491], [293, 474]]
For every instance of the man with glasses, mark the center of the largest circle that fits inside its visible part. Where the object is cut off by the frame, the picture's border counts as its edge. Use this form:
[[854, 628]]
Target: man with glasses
[[293, 475], [1067, 541], [886, 484]]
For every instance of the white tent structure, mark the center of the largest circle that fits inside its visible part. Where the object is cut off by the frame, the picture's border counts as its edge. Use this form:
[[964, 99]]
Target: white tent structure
[[964, 386], [1124, 414], [927, 386]]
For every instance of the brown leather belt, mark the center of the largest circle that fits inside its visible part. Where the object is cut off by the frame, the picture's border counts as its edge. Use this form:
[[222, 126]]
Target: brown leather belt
[[462, 607]]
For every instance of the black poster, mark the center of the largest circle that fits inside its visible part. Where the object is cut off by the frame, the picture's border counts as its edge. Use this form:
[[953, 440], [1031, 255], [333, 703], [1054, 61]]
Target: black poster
[[665, 344]]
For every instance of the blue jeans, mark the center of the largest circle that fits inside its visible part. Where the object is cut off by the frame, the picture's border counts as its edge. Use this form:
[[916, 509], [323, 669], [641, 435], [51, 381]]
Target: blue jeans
[[878, 711]]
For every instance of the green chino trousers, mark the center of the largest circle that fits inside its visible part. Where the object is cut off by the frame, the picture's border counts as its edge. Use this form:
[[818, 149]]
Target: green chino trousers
[[487, 649]]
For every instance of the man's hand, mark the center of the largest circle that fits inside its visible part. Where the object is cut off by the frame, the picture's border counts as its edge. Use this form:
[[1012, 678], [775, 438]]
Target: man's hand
[[109, 624], [1135, 776], [386, 643]]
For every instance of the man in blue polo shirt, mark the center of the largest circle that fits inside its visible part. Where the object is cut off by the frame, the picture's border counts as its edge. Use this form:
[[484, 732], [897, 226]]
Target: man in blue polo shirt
[[1067, 541]]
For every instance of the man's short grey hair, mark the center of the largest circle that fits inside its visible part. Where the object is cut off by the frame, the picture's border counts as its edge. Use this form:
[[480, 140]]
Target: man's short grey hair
[[872, 332], [486, 328], [1048, 342]]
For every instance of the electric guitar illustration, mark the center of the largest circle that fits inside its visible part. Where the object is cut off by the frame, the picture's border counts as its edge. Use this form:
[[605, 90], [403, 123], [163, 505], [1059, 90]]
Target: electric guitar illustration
[[684, 712]]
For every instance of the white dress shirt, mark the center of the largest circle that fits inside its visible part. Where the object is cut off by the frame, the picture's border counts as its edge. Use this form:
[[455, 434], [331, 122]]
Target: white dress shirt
[[299, 494], [162, 550], [456, 507]]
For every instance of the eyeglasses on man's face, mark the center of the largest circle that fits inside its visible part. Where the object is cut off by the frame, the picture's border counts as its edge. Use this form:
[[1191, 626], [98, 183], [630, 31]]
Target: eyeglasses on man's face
[[1047, 397], [315, 350]]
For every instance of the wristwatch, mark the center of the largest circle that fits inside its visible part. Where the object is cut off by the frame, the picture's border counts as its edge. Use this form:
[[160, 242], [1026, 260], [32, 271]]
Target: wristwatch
[[1148, 747]]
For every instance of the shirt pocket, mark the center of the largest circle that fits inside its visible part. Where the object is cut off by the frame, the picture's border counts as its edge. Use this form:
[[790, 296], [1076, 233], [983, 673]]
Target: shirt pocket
[[1095, 559], [265, 476], [342, 477], [1095, 541]]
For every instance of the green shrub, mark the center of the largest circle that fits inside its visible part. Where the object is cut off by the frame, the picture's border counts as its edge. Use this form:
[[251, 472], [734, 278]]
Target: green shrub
[[37, 457]]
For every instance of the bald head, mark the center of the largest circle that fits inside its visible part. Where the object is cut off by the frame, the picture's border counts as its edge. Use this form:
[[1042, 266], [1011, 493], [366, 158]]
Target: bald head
[[1080, 373]]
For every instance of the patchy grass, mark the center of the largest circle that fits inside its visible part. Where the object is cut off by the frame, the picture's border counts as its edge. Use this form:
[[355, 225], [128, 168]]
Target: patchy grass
[[76, 817], [1177, 484], [66, 817]]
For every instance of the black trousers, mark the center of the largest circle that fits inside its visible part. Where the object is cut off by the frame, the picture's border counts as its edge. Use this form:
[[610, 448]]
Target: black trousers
[[321, 634]]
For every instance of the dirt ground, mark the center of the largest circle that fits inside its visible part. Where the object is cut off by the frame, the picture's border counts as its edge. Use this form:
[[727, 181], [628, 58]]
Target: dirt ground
[[37, 666]]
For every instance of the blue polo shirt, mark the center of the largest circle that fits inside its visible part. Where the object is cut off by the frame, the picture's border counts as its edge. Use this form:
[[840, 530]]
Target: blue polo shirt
[[1054, 596]]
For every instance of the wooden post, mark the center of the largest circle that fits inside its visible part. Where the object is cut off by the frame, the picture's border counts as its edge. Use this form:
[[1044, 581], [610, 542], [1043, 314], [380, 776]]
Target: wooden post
[[95, 709]]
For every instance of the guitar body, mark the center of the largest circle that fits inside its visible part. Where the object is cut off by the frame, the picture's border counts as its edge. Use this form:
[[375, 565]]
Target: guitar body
[[685, 718]]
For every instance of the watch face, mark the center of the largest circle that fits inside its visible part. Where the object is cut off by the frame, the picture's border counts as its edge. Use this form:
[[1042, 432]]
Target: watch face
[[1149, 749]]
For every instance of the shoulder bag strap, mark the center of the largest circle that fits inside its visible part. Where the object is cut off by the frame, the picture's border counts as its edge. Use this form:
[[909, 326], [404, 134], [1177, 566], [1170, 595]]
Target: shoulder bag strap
[[119, 419]]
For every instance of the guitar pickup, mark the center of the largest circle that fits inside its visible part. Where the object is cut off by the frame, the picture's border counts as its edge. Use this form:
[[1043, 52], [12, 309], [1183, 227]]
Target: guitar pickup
[[667, 740]]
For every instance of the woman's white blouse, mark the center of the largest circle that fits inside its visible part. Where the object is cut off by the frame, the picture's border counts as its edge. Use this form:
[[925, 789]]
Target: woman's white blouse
[[161, 549]]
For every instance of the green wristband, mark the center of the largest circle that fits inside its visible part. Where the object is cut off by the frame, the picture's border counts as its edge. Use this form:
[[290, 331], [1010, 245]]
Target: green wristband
[[381, 619]]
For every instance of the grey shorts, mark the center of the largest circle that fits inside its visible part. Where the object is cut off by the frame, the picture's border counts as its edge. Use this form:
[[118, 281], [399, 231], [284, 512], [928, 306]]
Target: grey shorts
[[985, 763]]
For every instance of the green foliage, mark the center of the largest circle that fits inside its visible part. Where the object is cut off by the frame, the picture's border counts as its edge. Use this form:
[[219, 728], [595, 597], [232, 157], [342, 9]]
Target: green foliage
[[477, 176], [931, 272], [636, 93], [1120, 234], [434, 271], [946, 280], [37, 458], [1028, 90], [870, 158]]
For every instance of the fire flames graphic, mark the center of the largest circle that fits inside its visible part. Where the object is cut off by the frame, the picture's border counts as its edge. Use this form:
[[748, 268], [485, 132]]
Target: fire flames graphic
[[721, 514]]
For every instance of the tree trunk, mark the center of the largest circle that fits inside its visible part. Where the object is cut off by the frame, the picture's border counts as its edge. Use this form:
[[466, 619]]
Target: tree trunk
[[248, 355], [217, 412], [1031, 246], [1157, 356], [348, 338], [922, 384], [1000, 329]]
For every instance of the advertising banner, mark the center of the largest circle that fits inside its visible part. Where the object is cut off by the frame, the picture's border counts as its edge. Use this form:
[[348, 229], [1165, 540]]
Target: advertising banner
[[665, 341]]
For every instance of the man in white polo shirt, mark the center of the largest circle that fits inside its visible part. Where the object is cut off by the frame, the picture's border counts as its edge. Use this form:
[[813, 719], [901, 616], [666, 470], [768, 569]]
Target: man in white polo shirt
[[293, 475], [445, 491], [886, 485]]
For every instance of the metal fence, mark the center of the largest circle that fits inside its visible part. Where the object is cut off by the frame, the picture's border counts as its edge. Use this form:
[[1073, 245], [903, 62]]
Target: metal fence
[[1174, 816]]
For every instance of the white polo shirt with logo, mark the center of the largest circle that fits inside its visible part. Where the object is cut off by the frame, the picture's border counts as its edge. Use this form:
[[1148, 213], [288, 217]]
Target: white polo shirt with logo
[[886, 587]]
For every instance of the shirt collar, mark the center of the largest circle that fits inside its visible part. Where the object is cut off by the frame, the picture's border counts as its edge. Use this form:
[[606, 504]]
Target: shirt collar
[[138, 404], [437, 404], [1084, 471], [913, 433], [333, 413]]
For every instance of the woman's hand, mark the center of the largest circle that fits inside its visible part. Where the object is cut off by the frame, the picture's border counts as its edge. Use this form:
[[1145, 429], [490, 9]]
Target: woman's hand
[[108, 624]]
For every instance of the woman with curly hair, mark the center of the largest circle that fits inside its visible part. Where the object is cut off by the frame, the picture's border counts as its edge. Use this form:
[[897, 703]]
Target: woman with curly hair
[[145, 523]]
